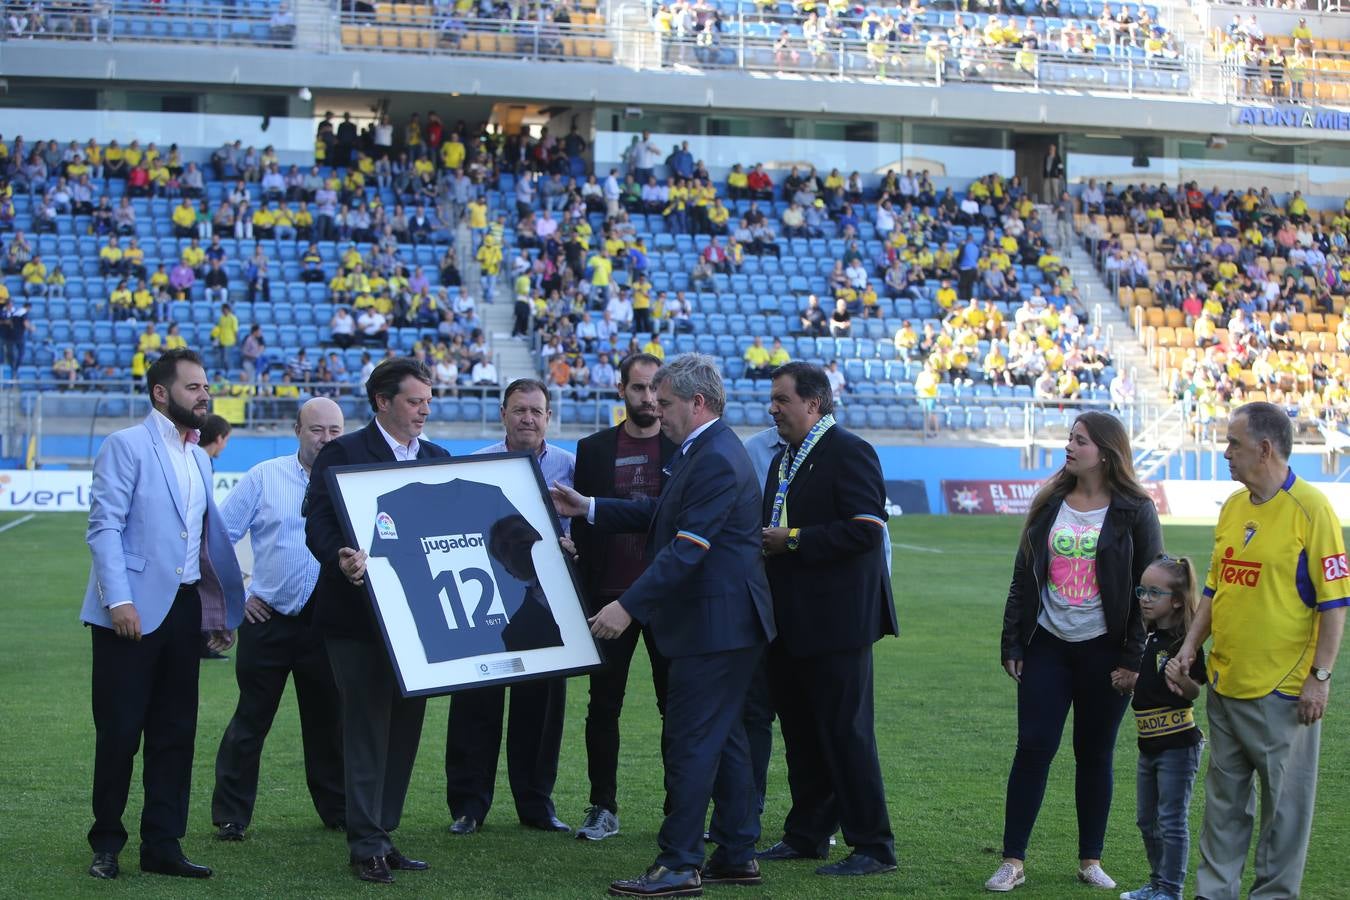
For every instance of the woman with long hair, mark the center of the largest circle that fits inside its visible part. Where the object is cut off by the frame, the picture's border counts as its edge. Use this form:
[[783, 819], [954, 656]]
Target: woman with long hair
[[1072, 634]]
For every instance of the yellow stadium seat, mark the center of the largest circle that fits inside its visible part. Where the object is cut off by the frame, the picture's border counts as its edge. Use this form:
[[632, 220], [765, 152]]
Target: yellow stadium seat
[[1298, 321], [351, 35], [604, 49], [1185, 337], [583, 47], [1117, 224], [1153, 318], [1277, 265], [404, 12], [1143, 297], [389, 37], [426, 39], [1156, 261], [1166, 337], [1174, 317], [384, 12], [1145, 242], [1332, 322], [407, 38], [1169, 226], [370, 36], [1125, 297]]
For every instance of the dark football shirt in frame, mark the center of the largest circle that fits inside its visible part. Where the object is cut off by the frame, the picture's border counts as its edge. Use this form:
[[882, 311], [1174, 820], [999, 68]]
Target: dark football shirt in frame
[[463, 555]]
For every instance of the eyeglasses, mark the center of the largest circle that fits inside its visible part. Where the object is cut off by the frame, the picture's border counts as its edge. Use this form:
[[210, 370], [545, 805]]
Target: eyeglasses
[[1153, 594]]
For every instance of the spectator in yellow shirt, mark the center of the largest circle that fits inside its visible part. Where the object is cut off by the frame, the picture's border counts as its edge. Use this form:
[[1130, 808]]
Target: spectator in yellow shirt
[[150, 340], [757, 359]]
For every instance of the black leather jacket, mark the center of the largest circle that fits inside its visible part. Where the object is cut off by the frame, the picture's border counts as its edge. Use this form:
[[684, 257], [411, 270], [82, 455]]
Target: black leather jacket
[[1131, 538]]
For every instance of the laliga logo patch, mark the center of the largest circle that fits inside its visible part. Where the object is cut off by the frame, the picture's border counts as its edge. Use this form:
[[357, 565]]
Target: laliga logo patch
[[1334, 568], [384, 527]]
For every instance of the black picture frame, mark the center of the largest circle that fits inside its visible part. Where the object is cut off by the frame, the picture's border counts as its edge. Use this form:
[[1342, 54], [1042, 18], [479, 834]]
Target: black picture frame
[[358, 491]]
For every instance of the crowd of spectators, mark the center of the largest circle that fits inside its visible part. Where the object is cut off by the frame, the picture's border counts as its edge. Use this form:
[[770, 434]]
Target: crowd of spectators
[[1267, 67], [1254, 287], [1009, 35]]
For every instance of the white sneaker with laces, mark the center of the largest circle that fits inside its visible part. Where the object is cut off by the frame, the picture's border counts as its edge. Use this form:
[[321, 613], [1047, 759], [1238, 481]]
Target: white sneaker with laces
[[1005, 879], [1095, 876]]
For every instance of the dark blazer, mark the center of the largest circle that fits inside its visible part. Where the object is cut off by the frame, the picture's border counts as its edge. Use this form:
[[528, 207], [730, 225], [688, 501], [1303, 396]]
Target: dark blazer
[[834, 592], [595, 478], [1131, 538], [704, 591], [343, 609]]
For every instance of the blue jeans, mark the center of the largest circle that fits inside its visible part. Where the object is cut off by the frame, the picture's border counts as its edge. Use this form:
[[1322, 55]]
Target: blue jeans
[[1058, 675], [1164, 783]]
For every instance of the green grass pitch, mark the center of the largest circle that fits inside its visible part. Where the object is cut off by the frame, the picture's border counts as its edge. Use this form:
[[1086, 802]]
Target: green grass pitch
[[945, 724]]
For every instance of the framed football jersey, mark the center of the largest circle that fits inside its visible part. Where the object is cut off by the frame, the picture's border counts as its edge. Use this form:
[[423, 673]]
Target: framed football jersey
[[465, 573]]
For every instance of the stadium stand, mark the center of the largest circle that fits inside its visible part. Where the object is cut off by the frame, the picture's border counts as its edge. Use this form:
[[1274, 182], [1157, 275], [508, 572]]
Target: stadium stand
[[1236, 296], [269, 23], [290, 279]]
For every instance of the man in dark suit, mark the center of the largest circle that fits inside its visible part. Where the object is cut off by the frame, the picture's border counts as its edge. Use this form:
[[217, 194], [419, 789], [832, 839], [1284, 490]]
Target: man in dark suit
[[625, 462], [163, 574], [380, 727], [706, 602], [824, 514]]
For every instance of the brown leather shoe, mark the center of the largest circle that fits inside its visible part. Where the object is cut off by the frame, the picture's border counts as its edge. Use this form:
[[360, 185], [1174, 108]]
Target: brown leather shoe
[[373, 869]]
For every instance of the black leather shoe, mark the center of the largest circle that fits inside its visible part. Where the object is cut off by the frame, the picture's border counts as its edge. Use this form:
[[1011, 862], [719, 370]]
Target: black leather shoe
[[180, 866], [856, 864], [658, 881], [104, 866], [464, 825], [230, 831], [784, 850], [373, 869], [398, 862], [552, 823], [746, 874]]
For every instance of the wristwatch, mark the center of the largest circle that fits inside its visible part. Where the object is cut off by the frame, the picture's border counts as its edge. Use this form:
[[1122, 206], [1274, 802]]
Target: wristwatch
[[1319, 674], [794, 539]]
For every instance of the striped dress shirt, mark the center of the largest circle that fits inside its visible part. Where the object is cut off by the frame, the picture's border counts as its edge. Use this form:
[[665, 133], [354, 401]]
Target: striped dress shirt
[[265, 504], [558, 466]]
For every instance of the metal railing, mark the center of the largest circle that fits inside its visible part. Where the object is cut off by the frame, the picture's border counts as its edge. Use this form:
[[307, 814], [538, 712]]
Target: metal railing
[[142, 21]]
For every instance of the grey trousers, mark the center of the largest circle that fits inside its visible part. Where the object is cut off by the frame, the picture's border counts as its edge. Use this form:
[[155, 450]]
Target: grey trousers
[[1252, 739]]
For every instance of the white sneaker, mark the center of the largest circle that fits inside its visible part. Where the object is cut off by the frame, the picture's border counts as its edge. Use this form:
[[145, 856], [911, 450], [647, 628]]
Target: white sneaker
[[1005, 879], [1094, 876]]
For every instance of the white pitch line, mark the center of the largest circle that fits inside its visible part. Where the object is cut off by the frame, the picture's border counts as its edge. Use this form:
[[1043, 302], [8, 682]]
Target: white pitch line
[[917, 548], [17, 522]]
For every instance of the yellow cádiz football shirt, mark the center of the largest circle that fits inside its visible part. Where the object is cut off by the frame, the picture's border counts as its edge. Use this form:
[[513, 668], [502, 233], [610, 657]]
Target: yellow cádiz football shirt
[[1276, 566]]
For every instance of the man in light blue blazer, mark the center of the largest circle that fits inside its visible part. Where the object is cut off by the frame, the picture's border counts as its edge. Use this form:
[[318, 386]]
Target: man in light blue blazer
[[163, 573]]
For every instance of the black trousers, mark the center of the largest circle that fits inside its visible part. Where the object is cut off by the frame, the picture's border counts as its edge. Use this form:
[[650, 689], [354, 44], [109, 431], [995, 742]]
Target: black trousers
[[759, 728], [146, 688], [473, 744], [269, 652], [608, 687], [825, 711], [380, 732]]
